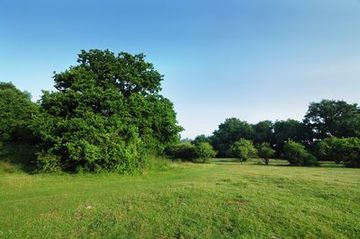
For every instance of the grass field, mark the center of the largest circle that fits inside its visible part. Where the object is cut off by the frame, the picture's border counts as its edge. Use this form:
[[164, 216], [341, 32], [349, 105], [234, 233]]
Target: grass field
[[219, 200]]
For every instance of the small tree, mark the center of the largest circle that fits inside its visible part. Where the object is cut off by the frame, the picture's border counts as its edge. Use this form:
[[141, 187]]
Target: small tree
[[265, 152], [297, 155], [204, 152], [243, 150]]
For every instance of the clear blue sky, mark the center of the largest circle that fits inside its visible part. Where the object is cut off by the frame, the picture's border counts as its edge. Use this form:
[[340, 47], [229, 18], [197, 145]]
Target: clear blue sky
[[254, 59]]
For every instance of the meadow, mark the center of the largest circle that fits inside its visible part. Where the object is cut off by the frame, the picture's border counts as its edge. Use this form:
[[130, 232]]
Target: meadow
[[221, 199]]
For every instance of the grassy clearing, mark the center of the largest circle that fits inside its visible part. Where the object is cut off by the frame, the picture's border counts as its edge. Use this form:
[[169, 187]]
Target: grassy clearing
[[218, 200]]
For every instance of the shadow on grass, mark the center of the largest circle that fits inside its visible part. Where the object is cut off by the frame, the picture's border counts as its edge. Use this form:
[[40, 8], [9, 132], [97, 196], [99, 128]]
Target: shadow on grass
[[17, 157]]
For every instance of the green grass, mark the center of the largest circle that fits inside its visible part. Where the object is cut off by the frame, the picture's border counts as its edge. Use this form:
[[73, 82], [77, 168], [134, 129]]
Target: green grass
[[217, 200]]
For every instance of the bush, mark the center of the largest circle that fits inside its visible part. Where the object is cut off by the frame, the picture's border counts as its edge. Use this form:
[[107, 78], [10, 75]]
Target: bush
[[184, 151], [265, 152], [341, 150], [204, 151], [198, 153], [48, 163], [243, 150], [297, 155]]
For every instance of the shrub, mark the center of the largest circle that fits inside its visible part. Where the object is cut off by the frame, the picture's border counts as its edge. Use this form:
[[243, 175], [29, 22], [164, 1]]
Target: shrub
[[265, 152], [341, 150], [48, 163], [297, 155], [198, 153], [243, 150], [184, 151], [204, 151]]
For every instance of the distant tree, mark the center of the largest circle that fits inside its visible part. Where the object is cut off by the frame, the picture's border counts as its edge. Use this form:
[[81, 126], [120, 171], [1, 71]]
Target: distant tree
[[201, 139], [265, 152], [297, 155], [289, 129], [228, 133], [341, 150], [333, 118], [242, 149], [186, 140], [106, 114], [16, 113], [263, 132]]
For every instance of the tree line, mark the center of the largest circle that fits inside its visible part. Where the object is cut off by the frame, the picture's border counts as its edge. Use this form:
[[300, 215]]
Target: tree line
[[107, 114], [330, 130]]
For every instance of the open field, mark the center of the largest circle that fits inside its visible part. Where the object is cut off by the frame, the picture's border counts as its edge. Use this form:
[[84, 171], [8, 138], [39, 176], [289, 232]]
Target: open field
[[217, 200]]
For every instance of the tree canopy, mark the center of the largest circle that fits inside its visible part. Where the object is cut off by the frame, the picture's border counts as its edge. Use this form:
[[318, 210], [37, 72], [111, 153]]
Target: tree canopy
[[288, 129], [106, 114], [228, 133], [331, 118], [16, 113]]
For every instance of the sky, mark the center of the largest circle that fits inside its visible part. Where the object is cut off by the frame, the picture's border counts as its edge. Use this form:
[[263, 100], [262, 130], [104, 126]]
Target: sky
[[250, 59]]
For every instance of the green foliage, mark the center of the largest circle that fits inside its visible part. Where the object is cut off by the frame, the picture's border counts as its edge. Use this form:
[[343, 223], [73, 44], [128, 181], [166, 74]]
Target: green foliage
[[19, 154], [16, 112], [289, 129], [198, 153], [106, 115], [265, 152], [228, 133], [184, 151], [201, 139], [242, 149], [333, 118], [48, 163], [155, 163], [263, 132], [297, 155], [204, 152], [345, 150]]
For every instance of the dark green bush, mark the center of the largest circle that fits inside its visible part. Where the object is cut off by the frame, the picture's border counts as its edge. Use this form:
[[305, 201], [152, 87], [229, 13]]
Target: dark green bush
[[341, 150], [22, 155], [297, 155], [184, 151], [198, 153]]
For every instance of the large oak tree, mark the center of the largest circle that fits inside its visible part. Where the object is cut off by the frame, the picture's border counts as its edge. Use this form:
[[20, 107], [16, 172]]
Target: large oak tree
[[106, 114]]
